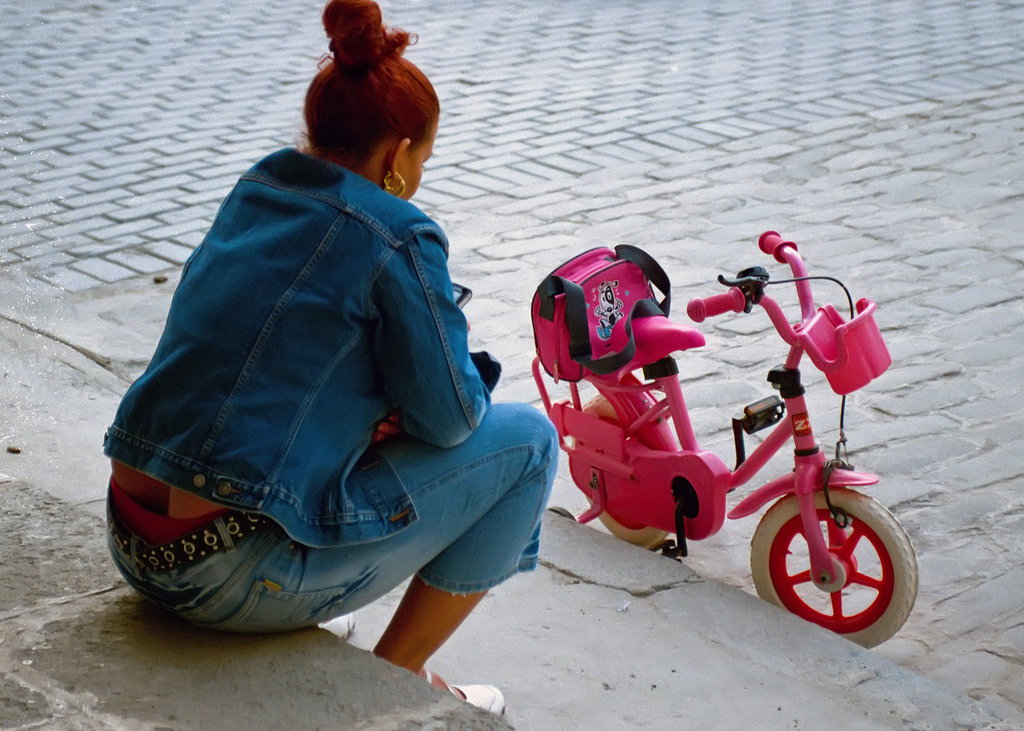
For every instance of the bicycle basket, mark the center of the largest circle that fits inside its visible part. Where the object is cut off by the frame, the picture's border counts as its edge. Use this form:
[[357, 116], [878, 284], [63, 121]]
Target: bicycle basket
[[850, 354]]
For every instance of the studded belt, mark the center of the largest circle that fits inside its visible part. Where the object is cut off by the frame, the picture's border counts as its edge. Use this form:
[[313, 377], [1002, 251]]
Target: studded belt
[[220, 534]]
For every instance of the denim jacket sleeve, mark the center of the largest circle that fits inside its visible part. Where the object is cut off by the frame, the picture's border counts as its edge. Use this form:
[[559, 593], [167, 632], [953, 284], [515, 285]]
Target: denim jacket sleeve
[[421, 344]]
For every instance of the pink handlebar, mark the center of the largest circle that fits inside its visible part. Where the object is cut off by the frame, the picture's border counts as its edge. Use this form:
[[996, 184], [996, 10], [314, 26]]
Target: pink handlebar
[[717, 304], [785, 252], [772, 244]]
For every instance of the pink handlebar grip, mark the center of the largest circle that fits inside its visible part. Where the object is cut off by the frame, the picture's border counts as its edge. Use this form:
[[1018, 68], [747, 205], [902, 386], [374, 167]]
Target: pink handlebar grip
[[770, 243], [700, 309]]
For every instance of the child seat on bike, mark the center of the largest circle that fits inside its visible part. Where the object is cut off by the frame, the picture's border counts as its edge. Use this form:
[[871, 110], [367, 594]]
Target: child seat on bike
[[598, 314]]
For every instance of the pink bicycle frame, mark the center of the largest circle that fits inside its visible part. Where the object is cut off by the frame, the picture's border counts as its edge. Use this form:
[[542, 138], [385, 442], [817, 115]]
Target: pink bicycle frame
[[850, 354]]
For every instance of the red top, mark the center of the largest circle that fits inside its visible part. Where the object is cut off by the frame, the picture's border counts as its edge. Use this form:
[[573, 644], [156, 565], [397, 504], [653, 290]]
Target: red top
[[153, 527]]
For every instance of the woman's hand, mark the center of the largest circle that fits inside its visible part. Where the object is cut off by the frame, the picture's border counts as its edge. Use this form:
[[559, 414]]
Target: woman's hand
[[386, 429]]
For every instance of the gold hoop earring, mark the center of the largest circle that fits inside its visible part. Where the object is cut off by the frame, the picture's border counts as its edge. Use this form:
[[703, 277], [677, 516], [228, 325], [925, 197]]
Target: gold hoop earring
[[394, 184]]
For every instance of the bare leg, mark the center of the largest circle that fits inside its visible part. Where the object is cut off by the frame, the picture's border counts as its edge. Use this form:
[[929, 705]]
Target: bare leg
[[424, 620]]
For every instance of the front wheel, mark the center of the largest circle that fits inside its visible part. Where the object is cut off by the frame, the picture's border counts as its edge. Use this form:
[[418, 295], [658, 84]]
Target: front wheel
[[873, 552]]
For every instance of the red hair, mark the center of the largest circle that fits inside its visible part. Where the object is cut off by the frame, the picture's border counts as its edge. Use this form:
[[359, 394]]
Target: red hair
[[367, 92]]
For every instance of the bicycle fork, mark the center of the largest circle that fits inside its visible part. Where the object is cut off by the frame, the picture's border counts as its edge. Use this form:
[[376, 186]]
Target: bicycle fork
[[806, 479], [809, 469]]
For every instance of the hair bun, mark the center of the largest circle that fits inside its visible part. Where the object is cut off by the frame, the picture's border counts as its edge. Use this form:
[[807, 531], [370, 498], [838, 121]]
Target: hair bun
[[358, 36]]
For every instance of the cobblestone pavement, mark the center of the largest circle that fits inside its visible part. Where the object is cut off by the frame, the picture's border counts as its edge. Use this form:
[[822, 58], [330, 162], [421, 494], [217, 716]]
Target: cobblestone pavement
[[884, 137]]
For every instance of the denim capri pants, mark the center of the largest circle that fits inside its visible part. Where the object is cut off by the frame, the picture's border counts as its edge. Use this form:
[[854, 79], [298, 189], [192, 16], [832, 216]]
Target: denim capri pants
[[479, 506]]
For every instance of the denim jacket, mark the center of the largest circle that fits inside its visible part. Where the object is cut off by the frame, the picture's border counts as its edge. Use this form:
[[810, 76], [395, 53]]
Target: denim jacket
[[316, 306]]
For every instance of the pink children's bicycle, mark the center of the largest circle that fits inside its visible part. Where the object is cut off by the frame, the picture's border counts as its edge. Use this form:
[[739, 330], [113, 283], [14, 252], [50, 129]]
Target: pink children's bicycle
[[823, 550]]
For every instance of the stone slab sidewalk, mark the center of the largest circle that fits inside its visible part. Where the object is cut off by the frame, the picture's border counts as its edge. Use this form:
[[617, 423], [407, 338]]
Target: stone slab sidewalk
[[602, 636]]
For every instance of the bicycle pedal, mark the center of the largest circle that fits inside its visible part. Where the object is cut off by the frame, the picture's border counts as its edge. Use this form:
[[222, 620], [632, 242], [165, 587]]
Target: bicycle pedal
[[762, 414]]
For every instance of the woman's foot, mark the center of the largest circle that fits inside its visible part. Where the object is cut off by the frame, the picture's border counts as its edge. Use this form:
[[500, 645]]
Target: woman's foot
[[482, 696], [486, 697]]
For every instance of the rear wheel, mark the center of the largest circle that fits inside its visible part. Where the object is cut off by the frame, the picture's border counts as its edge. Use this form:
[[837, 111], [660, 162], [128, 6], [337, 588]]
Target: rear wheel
[[877, 583], [642, 535], [645, 537]]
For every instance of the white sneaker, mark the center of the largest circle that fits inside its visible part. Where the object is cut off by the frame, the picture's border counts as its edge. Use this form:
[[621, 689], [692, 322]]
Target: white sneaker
[[342, 626], [486, 697]]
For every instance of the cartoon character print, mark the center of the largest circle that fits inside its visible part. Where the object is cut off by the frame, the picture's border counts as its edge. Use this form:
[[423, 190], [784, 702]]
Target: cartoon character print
[[608, 310]]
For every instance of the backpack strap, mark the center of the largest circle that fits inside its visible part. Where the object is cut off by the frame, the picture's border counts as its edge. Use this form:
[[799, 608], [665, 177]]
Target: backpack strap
[[575, 312], [652, 270]]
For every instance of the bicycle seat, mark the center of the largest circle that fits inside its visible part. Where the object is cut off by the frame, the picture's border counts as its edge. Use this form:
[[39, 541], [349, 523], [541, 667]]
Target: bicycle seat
[[657, 337]]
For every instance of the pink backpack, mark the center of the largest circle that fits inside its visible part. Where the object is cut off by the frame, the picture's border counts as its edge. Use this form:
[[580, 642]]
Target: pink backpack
[[582, 310]]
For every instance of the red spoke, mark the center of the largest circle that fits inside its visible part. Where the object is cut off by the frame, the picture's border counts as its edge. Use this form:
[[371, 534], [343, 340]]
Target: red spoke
[[801, 578], [868, 581], [837, 603], [849, 545]]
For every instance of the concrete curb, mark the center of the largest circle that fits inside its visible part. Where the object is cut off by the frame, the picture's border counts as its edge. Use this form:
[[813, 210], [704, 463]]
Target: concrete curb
[[80, 650], [602, 635]]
